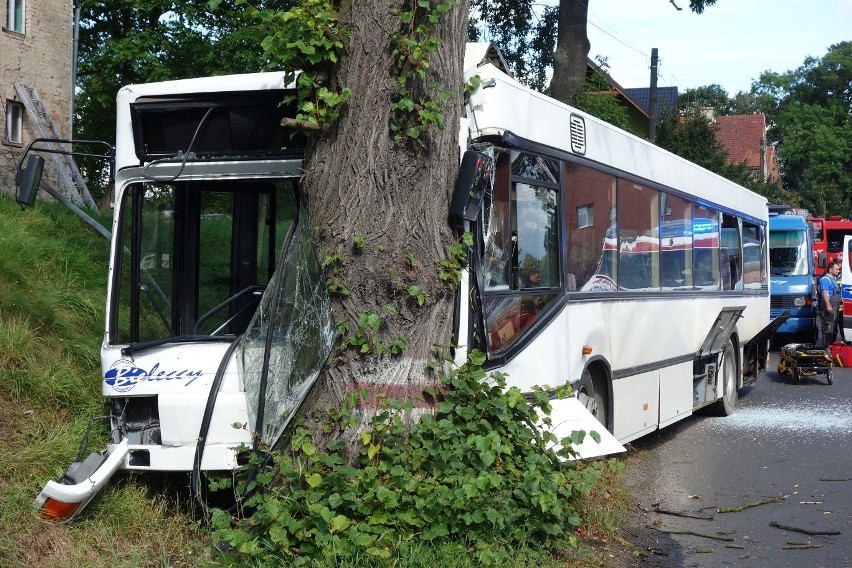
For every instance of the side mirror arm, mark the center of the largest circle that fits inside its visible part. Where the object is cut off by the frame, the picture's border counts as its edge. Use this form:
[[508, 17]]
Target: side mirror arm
[[28, 178]]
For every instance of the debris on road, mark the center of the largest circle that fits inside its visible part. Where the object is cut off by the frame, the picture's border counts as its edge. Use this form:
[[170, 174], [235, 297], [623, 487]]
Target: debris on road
[[803, 531], [748, 505]]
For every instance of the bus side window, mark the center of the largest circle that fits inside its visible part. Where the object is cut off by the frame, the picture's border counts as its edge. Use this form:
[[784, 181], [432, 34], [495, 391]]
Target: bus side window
[[731, 266], [675, 242], [537, 237], [752, 254], [705, 248], [639, 237], [592, 235]]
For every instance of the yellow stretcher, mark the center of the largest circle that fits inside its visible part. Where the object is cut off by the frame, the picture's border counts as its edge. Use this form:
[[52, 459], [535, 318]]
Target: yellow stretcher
[[803, 359]]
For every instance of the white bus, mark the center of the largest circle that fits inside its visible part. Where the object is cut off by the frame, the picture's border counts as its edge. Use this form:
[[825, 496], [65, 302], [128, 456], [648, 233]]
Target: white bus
[[641, 297], [600, 261]]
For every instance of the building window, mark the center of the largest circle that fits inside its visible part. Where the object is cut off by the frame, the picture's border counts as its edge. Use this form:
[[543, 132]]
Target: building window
[[15, 10], [585, 216], [14, 119]]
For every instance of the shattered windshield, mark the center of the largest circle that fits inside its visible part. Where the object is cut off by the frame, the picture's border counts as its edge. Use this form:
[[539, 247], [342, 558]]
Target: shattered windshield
[[288, 339], [788, 253]]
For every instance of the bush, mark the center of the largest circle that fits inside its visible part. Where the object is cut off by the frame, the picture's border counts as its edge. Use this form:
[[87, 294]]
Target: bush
[[475, 471]]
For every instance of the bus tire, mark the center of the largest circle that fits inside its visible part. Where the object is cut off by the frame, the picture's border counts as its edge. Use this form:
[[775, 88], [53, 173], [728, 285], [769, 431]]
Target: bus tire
[[593, 396], [728, 378]]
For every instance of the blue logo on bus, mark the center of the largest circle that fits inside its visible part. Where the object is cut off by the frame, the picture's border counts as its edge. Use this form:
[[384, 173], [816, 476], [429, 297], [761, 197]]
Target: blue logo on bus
[[123, 375]]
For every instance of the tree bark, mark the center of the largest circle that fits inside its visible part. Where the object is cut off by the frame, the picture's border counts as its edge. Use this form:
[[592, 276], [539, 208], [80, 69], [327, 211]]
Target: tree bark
[[572, 51], [360, 184]]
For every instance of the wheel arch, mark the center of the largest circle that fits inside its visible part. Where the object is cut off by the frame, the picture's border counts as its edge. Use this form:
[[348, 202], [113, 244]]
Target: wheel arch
[[601, 374]]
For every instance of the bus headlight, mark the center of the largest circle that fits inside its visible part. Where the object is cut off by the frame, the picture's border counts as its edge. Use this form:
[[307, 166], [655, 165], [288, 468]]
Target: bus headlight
[[801, 302]]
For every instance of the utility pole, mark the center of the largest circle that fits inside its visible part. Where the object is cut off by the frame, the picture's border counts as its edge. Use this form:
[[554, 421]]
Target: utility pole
[[652, 99]]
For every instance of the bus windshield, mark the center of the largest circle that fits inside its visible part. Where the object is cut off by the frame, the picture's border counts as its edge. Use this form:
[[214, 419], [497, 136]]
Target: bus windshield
[[788, 253], [196, 255]]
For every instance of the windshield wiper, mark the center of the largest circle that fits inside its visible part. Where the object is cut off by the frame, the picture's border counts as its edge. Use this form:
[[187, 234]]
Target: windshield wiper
[[145, 345]]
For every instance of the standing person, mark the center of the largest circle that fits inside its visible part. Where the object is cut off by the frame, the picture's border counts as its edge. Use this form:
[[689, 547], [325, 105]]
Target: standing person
[[829, 304], [838, 315]]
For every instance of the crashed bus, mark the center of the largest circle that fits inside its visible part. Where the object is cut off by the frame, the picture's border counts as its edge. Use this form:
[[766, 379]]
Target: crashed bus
[[217, 312]]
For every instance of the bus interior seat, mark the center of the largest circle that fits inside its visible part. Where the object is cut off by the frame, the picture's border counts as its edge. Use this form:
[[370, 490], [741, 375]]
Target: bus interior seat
[[571, 282]]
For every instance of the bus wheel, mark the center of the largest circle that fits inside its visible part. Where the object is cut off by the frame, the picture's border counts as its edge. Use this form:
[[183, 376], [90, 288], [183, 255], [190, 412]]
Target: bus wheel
[[592, 396], [727, 378]]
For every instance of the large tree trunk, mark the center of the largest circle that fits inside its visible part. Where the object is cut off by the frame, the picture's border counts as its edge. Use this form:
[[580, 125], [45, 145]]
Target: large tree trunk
[[572, 50], [360, 184]]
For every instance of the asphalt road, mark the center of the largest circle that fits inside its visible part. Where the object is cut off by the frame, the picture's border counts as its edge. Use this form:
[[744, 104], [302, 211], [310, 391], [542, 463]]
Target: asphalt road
[[785, 457]]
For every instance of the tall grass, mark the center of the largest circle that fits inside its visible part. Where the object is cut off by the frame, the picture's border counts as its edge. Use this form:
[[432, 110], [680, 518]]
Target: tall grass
[[53, 274]]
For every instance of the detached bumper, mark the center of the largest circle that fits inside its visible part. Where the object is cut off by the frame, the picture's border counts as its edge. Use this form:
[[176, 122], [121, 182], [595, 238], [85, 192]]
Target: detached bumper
[[568, 415], [62, 502]]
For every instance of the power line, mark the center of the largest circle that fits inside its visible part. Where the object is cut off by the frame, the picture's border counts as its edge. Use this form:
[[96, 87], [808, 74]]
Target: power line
[[625, 44]]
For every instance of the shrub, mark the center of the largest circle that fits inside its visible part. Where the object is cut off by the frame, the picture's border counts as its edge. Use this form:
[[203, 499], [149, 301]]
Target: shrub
[[475, 470]]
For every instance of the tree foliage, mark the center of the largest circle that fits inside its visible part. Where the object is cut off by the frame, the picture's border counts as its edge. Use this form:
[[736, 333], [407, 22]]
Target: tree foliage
[[597, 99], [693, 136], [526, 31], [691, 101], [809, 111], [136, 41]]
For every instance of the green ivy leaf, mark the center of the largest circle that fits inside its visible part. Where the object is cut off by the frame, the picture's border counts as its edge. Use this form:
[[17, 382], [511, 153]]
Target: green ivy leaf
[[339, 523], [314, 480]]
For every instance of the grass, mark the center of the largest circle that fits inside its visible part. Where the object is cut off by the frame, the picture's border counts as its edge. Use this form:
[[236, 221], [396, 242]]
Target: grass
[[53, 272]]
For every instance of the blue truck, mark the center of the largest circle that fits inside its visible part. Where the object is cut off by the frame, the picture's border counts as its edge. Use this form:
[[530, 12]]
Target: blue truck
[[791, 276]]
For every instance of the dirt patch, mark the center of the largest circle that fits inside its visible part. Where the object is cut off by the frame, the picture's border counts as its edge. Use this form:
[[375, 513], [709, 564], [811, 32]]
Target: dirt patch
[[640, 545]]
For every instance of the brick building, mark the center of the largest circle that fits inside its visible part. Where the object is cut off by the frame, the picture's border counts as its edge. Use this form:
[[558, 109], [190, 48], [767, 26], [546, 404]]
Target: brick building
[[743, 136], [36, 46]]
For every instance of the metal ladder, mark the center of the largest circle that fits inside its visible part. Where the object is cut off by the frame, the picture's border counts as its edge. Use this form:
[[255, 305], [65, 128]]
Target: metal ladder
[[69, 175]]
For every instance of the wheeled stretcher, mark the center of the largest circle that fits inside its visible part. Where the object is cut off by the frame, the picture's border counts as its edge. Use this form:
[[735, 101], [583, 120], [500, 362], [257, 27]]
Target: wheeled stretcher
[[804, 359]]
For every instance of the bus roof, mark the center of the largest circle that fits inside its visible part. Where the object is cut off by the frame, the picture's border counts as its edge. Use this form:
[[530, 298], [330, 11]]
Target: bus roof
[[503, 107], [787, 222]]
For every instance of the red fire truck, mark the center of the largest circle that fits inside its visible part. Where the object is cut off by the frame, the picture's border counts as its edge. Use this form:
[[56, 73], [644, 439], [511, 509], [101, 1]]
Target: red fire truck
[[828, 237]]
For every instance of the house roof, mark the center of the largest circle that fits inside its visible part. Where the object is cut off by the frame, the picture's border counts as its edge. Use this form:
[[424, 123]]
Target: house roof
[[742, 137], [666, 96]]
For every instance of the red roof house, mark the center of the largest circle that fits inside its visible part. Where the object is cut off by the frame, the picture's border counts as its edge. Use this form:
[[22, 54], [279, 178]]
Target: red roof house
[[743, 136]]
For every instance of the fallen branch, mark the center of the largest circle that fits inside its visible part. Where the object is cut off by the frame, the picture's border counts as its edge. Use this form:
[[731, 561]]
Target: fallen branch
[[693, 533], [799, 547], [737, 546], [803, 531], [686, 514], [747, 505]]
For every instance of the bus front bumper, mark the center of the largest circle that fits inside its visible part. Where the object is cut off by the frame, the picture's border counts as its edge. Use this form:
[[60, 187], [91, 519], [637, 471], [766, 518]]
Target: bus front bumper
[[64, 501]]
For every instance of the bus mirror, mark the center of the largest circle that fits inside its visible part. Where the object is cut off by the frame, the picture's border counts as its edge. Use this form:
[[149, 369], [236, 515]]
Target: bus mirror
[[30, 180], [821, 258], [474, 179]]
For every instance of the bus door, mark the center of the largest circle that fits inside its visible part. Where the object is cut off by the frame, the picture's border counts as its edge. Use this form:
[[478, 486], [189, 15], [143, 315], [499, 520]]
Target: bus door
[[817, 227], [846, 287]]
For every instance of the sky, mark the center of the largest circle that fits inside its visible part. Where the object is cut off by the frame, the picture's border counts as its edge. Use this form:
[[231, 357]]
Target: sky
[[730, 44]]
